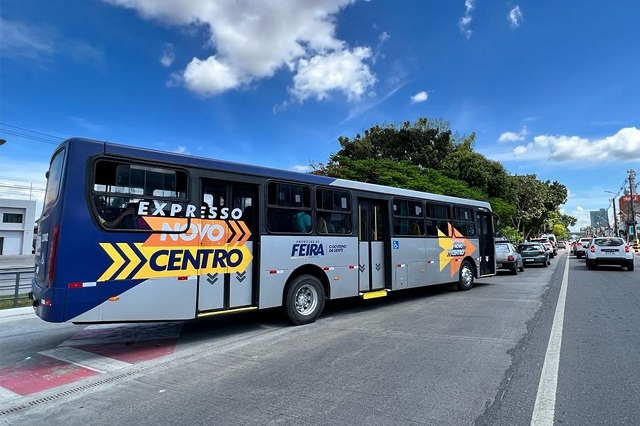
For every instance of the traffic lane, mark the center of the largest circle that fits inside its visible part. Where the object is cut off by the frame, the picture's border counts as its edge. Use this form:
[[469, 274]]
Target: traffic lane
[[23, 336], [599, 379], [428, 356], [515, 398]]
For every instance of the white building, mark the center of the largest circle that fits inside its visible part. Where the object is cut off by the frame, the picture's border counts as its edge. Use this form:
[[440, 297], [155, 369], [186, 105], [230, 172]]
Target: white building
[[17, 219]]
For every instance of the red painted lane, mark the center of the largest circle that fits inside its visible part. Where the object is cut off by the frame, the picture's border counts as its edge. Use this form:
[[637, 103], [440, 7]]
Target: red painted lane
[[38, 373], [133, 352], [132, 343]]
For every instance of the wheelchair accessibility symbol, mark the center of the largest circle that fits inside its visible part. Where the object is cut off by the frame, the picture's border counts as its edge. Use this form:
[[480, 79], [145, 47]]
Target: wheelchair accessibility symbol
[[396, 245]]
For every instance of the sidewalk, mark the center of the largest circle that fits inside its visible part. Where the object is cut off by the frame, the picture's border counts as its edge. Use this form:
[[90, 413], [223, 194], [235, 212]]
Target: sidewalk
[[17, 312]]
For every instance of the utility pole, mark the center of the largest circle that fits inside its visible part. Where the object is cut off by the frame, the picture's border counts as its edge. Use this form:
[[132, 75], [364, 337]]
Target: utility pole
[[632, 176], [615, 217]]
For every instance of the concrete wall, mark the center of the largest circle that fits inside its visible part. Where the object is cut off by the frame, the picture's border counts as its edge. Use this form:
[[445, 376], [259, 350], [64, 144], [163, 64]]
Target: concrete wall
[[17, 238]]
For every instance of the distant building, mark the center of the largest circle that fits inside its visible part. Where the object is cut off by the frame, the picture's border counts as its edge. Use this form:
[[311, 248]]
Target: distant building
[[17, 219], [624, 208], [599, 219]]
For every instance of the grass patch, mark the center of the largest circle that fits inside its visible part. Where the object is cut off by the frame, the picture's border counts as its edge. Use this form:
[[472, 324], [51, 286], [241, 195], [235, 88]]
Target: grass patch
[[8, 303]]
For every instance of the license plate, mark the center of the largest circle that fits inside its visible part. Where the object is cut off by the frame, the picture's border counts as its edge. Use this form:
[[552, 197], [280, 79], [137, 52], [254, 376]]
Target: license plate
[[610, 250], [529, 260]]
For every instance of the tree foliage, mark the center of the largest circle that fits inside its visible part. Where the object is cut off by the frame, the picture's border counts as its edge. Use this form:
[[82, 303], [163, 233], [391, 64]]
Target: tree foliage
[[425, 143], [427, 156]]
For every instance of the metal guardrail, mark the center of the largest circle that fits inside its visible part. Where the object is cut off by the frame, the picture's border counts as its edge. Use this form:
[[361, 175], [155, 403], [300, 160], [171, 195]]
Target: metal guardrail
[[15, 284]]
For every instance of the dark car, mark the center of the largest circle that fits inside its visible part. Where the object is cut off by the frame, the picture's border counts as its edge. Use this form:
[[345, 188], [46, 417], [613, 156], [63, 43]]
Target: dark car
[[533, 253]]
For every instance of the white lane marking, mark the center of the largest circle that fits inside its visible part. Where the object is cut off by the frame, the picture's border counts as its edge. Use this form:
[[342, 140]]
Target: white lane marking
[[91, 361], [544, 409]]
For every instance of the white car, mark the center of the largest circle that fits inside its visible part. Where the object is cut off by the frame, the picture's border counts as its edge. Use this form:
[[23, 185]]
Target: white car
[[609, 251], [581, 246]]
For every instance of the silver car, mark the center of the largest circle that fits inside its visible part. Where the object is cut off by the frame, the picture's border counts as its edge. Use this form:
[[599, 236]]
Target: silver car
[[507, 257]]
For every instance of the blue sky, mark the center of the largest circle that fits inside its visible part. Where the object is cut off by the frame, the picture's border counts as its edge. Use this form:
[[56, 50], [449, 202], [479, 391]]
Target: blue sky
[[551, 88]]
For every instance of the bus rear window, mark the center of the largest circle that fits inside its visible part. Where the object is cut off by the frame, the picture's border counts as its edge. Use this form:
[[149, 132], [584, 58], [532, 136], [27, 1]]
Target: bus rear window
[[54, 179], [119, 187], [118, 178]]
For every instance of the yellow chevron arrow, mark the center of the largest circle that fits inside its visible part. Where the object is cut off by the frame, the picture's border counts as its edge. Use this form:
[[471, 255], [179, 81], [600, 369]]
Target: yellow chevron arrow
[[118, 261], [133, 261]]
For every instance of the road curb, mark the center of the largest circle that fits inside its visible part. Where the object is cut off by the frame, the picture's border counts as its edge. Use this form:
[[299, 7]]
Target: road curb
[[16, 312]]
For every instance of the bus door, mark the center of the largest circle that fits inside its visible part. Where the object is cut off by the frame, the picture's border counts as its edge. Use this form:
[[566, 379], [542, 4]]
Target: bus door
[[227, 236], [371, 259], [485, 241]]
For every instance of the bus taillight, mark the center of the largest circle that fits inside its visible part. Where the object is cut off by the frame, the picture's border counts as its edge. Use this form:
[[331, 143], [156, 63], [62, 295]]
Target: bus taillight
[[53, 249]]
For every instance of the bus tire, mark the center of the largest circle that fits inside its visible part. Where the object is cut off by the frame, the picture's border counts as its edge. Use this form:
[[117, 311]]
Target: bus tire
[[466, 276], [304, 300]]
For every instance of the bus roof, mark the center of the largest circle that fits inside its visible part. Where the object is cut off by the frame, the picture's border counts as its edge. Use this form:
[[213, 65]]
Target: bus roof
[[186, 160]]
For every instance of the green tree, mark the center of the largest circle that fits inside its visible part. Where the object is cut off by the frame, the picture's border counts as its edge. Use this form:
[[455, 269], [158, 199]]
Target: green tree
[[425, 143]]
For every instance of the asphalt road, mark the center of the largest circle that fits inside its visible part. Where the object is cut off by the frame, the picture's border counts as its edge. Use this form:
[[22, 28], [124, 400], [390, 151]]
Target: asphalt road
[[432, 356]]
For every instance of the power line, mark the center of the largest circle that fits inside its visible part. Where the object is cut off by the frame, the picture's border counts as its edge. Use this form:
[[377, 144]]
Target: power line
[[31, 134], [31, 131], [26, 136]]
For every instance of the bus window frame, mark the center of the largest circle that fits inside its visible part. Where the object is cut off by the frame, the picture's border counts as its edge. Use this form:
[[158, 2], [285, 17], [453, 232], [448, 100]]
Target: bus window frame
[[455, 220], [430, 216], [397, 215], [309, 210], [320, 211], [92, 193]]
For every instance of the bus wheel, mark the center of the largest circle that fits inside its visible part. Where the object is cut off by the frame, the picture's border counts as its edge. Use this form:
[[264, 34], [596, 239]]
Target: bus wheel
[[465, 281], [304, 300]]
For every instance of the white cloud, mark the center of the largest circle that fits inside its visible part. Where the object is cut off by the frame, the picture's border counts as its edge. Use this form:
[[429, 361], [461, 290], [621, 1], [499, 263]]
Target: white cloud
[[210, 77], [344, 70], [168, 56], [81, 122], [515, 17], [419, 97], [300, 168], [624, 145], [252, 40], [24, 41], [513, 136], [465, 21], [39, 44]]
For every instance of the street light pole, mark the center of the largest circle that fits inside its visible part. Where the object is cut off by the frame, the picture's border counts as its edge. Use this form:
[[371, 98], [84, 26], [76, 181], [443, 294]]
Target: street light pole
[[615, 215], [632, 175]]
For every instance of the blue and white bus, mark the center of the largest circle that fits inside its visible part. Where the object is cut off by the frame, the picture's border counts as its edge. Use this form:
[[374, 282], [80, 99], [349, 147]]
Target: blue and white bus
[[130, 234]]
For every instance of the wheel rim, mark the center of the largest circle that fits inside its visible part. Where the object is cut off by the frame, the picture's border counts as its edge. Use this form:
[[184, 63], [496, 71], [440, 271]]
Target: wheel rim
[[466, 276], [306, 299]]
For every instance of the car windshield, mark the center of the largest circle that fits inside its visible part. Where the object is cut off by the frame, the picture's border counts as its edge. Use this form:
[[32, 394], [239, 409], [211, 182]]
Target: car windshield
[[608, 242], [530, 247], [502, 248]]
